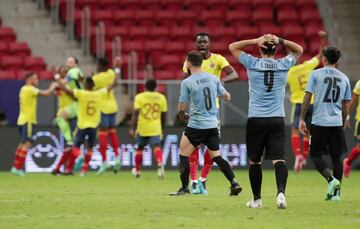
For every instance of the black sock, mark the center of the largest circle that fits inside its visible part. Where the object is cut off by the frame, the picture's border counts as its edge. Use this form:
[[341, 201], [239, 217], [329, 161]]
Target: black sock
[[255, 176], [338, 167], [281, 174], [184, 169], [321, 167], [225, 168]]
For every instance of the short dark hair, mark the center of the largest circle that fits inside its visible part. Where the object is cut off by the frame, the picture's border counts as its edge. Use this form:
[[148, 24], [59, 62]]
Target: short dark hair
[[75, 59], [29, 74], [89, 82], [332, 54], [269, 50], [202, 34], [103, 62], [150, 84], [195, 58]]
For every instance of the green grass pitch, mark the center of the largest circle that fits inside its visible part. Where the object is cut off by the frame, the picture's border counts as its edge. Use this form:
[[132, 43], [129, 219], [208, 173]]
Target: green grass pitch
[[121, 201]]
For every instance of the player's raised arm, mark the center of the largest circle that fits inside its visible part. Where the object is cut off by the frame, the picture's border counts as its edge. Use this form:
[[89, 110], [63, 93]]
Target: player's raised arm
[[236, 48], [113, 84], [48, 91], [231, 74], [133, 123], [63, 87], [296, 49]]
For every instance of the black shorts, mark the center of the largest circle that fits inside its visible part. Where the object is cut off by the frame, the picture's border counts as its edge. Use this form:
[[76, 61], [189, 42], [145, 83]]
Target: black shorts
[[265, 134], [209, 137], [88, 134], [327, 140], [295, 117]]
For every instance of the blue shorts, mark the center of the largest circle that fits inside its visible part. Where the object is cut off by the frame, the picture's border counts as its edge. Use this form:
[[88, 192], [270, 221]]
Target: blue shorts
[[107, 120], [295, 116], [88, 134], [151, 140], [73, 124], [26, 132]]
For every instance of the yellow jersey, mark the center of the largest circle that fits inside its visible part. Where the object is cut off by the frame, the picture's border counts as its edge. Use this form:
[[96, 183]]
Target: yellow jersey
[[28, 104], [212, 65], [356, 91], [150, 106], [103, 80], [88, 107], [64, 100], [298, 77]]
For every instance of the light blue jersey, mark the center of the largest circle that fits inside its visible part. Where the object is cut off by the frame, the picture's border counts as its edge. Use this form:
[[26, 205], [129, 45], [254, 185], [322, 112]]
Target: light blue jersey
[[330, 87], [200, 91], [267, 82]]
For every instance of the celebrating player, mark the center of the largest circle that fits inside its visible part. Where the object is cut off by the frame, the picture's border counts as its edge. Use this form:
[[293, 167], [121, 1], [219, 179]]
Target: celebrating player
[[265, 128], [147, 122], [297, 80], [89, 113], [66, 108], [355, 152], [332, 94], [200, 91], [108, 112], [27, 118], [213, 64]]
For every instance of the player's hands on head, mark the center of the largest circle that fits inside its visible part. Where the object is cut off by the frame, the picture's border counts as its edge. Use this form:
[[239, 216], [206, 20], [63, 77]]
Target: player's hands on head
[[302, 127], [132, 133]]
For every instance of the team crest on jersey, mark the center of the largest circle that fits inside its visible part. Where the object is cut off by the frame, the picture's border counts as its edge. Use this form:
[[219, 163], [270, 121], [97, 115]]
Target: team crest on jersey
[[212, 65]]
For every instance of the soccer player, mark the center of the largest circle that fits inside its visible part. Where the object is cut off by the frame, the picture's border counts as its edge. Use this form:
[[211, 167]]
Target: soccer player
[[355, 152], [265, 128], [147, 123], [200, 91], [214, 64], [332, 93], [108, 112], [89, 113], [297, 80], [27, 118], [67, 126]]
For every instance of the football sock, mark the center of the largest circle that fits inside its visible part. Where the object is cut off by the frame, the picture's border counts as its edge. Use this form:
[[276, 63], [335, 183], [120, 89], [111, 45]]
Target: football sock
[[255, 176], [337, 167], [225, 168], [194, 163], [281, 174], [295, 144], [355, 152], [74, 154], [65, 129], [103, 144], [306, 146], [22, 157], [17, 158], [114, 141], [158, 155], [208, 163], [138, 160], [87, 159], [184, 170], [64, 157], [321, 167]]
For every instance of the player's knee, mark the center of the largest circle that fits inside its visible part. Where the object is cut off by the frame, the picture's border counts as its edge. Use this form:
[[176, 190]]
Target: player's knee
[[254, 162], [277, 161]]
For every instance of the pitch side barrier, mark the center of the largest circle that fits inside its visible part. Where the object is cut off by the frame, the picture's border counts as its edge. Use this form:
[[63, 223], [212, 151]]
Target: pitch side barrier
[[48, 146]]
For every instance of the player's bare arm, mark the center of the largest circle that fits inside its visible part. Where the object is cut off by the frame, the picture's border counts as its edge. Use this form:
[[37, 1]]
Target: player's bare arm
[[352, 104], [113, 84], [345, 109], [236, 48], [182, 112], [296, 49], [231, 74], [133, 123], [48, 91], [323, 39], [304, 108], [63, 87], [226, 96]]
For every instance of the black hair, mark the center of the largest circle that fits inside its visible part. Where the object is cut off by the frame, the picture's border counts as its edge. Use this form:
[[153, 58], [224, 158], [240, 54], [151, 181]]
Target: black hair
[[269, 50], [332, 54], [103, 62], [150, 84], [195, 58], [89, 82], [202, 34], [29, 74]]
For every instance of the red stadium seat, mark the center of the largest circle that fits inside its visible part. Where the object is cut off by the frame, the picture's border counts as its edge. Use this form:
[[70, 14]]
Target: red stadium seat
[[281, 5], [248, 32], [311, 18], [198, 29], [240, 5], [196, 5], [7, 34], [4, 48], [46, 75], [265, 16], [181, 33], [92, 4], [124, 17], [145, 18], [7, 75], [212, 18], [311, 32], [155, 46], [219, 5], [262, 4], [219, 47], [175, 47], [131, 4], [293, 32], [34, 63], [159, 33], [109, 4], [225, 34], [20, 49], [154, 5], [172, 5], [273, 29], [170, 62], [165, 75], [186, 18], [12, 62], [314, 46], [134, 45], [20, 74], [306, 5], [305, 57], [139, 33], [121, 31], [236, 18], [166, 18], [106, 16], [287, 17]]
